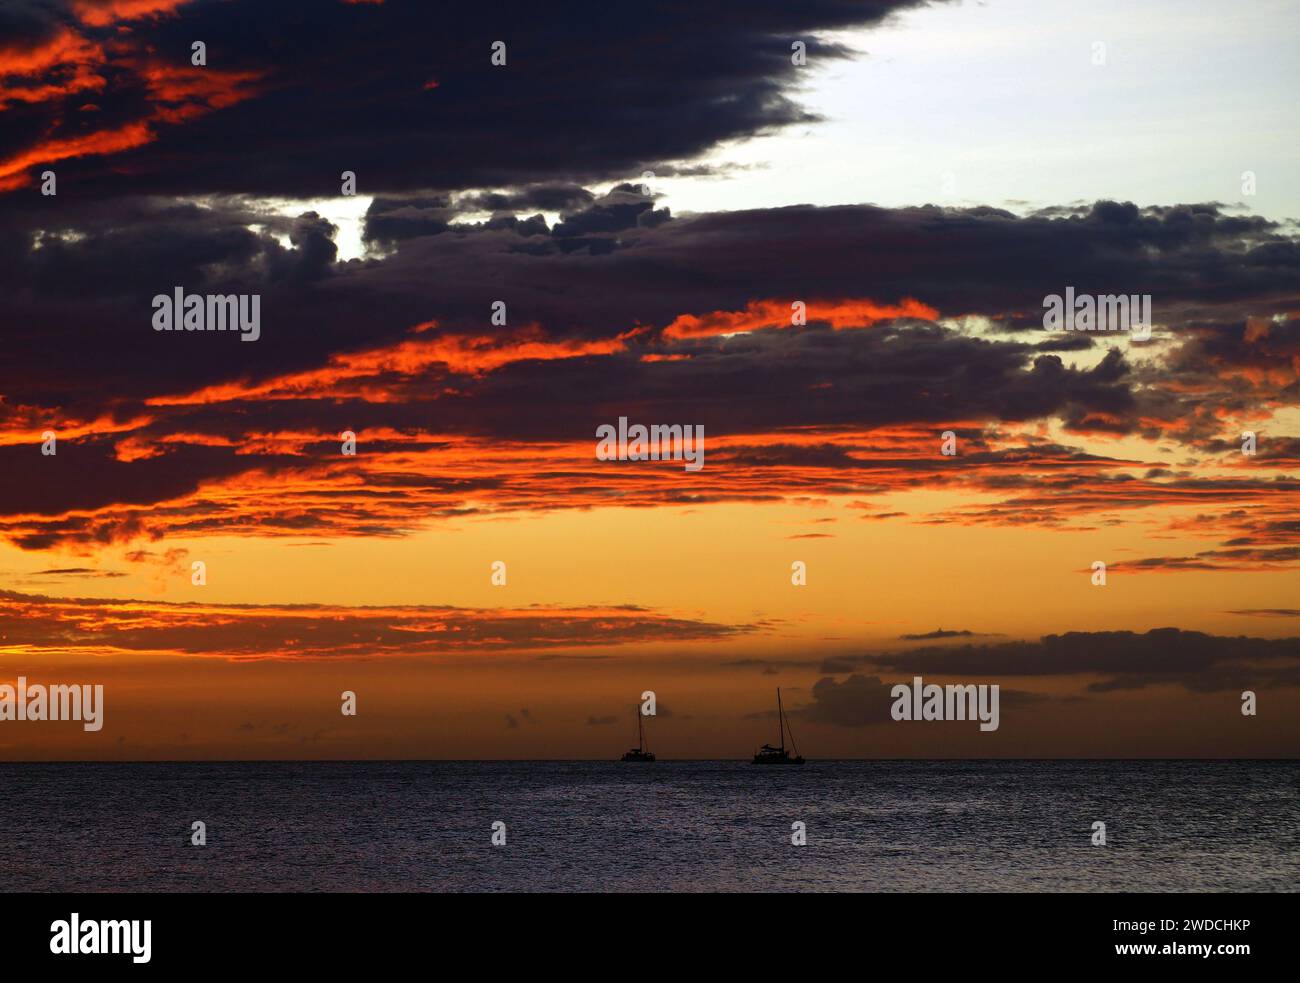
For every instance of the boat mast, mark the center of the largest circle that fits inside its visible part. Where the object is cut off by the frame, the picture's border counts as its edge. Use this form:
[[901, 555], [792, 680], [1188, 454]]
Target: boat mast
[[780, 713]]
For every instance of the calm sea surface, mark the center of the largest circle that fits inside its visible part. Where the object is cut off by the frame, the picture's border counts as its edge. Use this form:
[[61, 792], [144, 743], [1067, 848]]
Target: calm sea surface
[[693, 826]]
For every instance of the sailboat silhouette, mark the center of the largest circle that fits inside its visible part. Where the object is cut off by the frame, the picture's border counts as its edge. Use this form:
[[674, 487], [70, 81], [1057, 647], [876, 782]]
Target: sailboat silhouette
[[640, 752], [768, 755]]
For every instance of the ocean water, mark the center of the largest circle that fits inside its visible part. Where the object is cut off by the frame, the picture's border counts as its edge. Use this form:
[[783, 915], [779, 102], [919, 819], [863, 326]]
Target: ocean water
[[668, 826]]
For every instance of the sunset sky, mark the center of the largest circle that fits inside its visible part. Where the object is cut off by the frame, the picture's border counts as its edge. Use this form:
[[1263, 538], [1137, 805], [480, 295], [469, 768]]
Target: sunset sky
[[921, 184]]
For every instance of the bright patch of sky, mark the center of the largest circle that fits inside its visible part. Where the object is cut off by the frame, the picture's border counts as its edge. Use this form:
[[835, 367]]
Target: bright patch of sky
[[1000, 103], [1012, 103]]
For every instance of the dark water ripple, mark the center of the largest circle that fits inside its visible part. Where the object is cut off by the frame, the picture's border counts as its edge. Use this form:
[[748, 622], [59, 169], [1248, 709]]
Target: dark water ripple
[[693, 826]]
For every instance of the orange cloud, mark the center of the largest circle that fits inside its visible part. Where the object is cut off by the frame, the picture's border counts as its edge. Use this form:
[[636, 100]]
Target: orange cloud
[[69, 64], [101, 13], [35, 625], [366, 374], [65, 48], [27, 425], [69, 59], [182, 93], [99, 142], [760, 314]]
